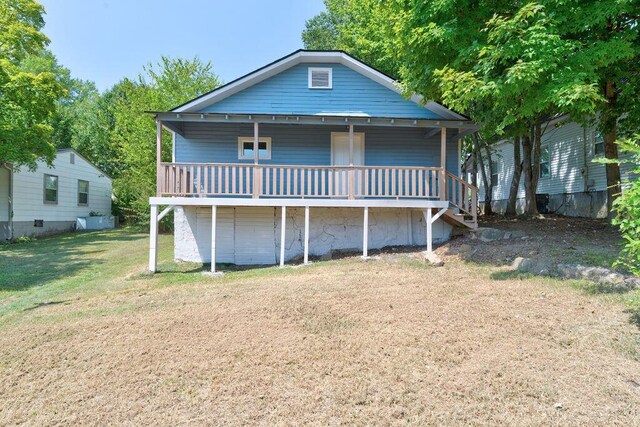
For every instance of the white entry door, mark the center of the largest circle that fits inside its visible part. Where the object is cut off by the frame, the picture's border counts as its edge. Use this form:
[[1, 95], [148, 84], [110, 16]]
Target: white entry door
[[340, 157]]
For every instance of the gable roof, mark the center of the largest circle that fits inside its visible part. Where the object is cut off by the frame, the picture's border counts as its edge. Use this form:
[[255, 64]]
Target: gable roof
[[72, 150], [309, 57]]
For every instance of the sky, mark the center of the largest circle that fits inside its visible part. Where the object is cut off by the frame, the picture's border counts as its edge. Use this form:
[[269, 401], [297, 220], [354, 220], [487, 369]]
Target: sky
[[106, 40]]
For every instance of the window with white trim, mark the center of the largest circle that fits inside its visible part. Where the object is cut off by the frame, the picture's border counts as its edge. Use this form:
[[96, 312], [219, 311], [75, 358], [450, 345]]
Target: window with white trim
[[545, 169], [598, 144], [320, 78], [50, 189], [83, 193], [245, 148]]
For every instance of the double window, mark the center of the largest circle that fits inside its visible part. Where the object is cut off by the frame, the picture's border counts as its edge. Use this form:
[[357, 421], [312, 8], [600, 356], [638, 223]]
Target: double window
[[50, 189], [83, 193], [545, 169], [245, 148]]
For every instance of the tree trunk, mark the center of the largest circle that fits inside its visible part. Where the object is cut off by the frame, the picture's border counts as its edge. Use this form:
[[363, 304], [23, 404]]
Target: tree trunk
[[488, 189], [515, 180], [535, 166], [492, 182], [527, 170], [610, 147]]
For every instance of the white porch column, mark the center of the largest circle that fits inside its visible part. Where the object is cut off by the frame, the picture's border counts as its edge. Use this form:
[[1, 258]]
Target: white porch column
[[214, 217], [429, 222], [256, 155], [306, 234], [153, 239], [365, 233], [158, 157], [283, 224], [443, 163], [351, 171]]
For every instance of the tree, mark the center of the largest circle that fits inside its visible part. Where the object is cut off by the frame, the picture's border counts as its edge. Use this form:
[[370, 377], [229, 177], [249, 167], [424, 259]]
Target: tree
[[606, 57], [320, 32], [28, 97], [362, 28], [515, 179], [160, 87], [69, 106]]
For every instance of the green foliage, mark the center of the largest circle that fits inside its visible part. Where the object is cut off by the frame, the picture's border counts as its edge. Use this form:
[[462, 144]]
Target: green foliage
[[362, 28], [627, 210], [320, 33], [28, 95], [132, 138]]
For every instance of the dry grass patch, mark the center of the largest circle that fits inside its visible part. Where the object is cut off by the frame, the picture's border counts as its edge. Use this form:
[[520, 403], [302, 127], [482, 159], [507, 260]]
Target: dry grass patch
[[343, 342]]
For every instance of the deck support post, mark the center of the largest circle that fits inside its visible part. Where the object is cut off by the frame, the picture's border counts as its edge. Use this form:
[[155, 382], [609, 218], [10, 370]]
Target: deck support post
[[283, 224], [256, 155], [365, 233], [306, 235], [158, 158], [214, 217], [443, 164], [429, 231], [153, 239], [429, 219]]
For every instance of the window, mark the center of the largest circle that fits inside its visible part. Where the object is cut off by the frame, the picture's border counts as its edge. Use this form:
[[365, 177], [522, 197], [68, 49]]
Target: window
[[50, 189], [245, 148], [83, 193], [494, 175], [598, 144], [320, 78], [545, 170]]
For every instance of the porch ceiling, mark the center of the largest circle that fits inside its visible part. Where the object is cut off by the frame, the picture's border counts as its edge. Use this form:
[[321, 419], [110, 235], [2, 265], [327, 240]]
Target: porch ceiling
[[174, 121]]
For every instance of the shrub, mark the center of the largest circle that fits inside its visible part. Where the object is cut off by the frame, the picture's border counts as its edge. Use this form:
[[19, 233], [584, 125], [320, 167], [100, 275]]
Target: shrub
[[627, 210]]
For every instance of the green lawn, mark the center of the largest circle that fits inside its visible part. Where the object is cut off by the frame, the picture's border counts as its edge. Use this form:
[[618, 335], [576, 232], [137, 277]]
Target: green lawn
[[58, 269]]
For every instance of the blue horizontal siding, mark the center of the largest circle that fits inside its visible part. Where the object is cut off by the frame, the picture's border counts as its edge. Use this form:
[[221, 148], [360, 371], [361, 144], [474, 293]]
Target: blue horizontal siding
[[311, 145], [352, 93]]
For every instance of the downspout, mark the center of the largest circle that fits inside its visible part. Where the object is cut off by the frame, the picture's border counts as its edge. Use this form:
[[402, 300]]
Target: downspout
[[10, 204]]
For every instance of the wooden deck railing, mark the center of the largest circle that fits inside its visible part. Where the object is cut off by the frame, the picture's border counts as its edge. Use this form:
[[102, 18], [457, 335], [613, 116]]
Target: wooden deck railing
[[350, 182], [225, 179]]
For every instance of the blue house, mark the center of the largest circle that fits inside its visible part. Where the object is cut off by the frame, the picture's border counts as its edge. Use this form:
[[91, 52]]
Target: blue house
[[314, 152]]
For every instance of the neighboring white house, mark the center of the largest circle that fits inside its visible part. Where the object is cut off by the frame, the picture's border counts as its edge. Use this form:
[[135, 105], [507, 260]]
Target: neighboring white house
[[570, 182], [51, 199]]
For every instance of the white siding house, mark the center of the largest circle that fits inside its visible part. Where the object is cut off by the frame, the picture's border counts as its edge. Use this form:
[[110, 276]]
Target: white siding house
[[570, 184], [50, 199]]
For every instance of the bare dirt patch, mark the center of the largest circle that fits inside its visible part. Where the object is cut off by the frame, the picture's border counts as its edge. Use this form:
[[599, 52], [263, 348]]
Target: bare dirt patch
[[552, 239], [342, 342]]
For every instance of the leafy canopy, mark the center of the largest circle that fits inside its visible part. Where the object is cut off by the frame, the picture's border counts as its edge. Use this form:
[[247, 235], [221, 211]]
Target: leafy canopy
[[27, 96]]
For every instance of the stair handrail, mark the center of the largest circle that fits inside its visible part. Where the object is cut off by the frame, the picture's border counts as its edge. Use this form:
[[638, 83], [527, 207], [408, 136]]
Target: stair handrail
[[462, 195]]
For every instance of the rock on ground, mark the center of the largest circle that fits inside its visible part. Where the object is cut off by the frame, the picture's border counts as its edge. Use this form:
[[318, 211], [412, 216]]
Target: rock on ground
[[433, 259]]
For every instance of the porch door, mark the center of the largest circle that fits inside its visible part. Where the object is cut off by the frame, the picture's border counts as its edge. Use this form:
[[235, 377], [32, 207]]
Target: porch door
[[340, 157]]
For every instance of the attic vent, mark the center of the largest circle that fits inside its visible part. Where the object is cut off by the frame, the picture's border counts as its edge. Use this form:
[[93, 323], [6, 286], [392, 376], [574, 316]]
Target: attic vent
[[320, 78], [72, 159]]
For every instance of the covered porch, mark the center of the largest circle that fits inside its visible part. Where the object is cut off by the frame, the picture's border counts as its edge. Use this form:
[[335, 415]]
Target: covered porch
[[402, 163]]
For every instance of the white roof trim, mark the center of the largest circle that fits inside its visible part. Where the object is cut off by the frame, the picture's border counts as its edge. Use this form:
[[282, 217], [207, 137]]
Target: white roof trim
[[310, 58]]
